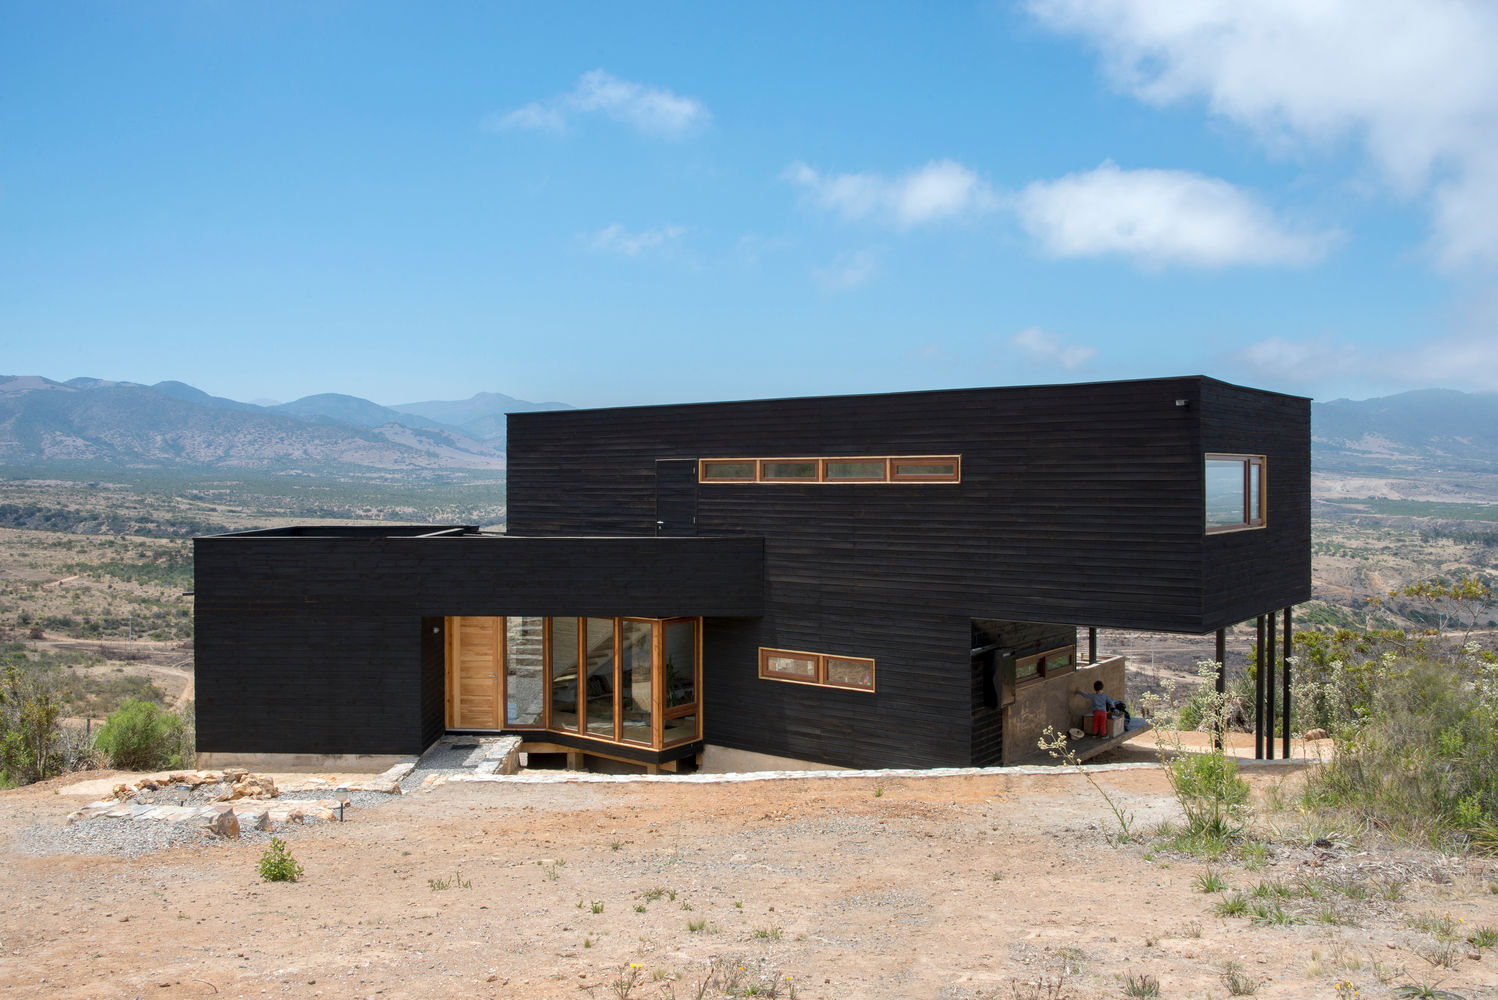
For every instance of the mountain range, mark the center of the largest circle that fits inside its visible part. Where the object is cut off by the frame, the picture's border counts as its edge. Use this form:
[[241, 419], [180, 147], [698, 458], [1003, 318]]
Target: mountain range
[[171, 425]]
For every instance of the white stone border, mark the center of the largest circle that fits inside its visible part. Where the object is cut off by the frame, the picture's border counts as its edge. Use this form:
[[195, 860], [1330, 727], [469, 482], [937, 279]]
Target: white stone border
[[562, 778]]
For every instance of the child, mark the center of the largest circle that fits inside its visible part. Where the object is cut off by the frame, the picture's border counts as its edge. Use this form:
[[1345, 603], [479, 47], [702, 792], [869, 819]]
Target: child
[[1100, 705]]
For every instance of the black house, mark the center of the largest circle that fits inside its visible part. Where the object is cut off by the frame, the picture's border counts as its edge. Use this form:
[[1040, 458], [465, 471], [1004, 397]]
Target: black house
[[890, 580]]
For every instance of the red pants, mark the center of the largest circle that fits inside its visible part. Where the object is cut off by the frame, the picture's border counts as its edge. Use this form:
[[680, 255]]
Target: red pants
[[1099, 723]]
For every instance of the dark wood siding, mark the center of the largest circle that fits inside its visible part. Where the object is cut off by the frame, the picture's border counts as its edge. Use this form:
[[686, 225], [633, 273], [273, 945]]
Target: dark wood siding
[[311, 643], [1249, 573], [1078, 505]]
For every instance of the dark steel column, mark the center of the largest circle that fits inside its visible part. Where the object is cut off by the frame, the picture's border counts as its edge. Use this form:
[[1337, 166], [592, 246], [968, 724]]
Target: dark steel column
[[1222, 683], [1092, 645], [1259, 693], [1289, 639], [1271, 663]]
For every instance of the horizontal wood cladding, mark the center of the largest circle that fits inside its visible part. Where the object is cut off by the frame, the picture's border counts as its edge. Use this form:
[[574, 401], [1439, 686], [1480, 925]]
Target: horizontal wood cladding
[[316, 644], [1077, 503], [1254, 571], [917, 717], [484, 575], [311, 681]]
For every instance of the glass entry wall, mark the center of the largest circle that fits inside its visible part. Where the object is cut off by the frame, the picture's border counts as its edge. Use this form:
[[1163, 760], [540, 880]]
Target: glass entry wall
[[625, 680]]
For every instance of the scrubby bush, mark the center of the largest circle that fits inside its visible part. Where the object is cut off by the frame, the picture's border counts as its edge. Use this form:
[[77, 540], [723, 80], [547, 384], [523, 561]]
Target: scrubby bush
[[139, 736], [29, 733], [1415, 724]]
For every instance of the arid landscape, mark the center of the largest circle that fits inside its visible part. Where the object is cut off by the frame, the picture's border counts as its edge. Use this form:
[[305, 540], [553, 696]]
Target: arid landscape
[[965, 887], [994, 885]]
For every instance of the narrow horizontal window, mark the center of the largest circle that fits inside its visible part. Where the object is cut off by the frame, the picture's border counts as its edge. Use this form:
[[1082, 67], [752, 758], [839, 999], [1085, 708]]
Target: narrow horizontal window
[[923, 470], [841, 469], [846, 671], [855, 470], [826, 670], [1051, 663], [786, 665], [710, 470], [788, 470], [1235, 492]]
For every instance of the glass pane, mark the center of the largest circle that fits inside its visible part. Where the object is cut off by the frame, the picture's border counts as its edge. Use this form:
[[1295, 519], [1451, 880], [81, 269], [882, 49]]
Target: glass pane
[[1058, 662], [680, 730], [806, 469], [728, 470], [523, 678], [850, 673], [681, 663], [1027, 668], [564, 673], [1224, 492], [903, 469], [872, 468], [1255, 492], [791, 665], [634, 676], [600, 691]]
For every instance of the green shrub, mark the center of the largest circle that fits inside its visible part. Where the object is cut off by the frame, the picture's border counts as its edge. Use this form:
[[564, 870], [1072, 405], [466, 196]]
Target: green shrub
[[30, 737], [1421, 756], [139, 736], [1213, 796], [277, 864]]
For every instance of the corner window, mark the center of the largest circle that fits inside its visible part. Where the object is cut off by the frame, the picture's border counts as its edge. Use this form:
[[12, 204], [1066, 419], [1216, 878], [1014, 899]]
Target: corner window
[[1235, 492]]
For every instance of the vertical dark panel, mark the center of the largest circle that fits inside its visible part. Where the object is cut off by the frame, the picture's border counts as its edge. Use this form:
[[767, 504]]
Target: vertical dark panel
[[1271, 668], [1259, 692], [1289, 639], [676, 497]]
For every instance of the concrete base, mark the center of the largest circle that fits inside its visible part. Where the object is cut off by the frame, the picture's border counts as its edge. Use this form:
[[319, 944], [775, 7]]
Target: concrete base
[[722, 760], [300, 762]]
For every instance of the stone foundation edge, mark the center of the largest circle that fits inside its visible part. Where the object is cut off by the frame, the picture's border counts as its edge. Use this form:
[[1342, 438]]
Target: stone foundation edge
[[217, 760]]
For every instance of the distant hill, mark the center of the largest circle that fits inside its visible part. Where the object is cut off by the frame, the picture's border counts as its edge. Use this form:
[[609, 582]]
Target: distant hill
[[1428, 445], [481, 416], [171, 425], [1428, 425]]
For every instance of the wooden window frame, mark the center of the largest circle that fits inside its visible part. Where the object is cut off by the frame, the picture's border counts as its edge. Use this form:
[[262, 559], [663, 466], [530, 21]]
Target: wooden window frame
[[821, 462], [820, 678], [955, 476], [703, 463], [882, 478], [1044, 671], [829, 682], [761, 476], [1249, 462]]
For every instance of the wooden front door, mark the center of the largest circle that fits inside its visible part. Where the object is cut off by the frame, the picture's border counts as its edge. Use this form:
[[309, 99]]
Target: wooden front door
[[474, 663]]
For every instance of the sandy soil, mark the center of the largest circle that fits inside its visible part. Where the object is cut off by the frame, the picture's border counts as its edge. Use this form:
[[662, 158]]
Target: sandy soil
[[862, 886]]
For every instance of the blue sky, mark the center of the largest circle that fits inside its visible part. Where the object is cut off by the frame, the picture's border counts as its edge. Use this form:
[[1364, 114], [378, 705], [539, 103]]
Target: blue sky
[[610, 203]]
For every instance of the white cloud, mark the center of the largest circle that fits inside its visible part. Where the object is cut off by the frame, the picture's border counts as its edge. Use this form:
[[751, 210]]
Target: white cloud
[[1467, 361], [941, 190], [1412, 83], [652, 110], [617, 239], [1159, 217], [848, 270], [1048, 349]]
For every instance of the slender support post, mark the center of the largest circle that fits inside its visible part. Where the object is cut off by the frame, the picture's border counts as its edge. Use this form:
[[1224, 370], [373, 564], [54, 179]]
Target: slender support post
[[1222, 683], [1271, 661], [1259, 693], [1289, 638], [1092, 645]]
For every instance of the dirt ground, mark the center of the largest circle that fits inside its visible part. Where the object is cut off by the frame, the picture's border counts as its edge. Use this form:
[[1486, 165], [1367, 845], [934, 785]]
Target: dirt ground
[[976, 886]]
